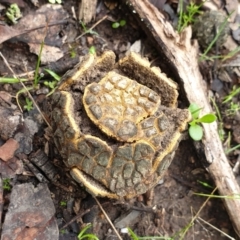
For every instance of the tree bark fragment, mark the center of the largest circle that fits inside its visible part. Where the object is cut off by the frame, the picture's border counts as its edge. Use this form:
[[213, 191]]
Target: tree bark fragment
[[182, 56]]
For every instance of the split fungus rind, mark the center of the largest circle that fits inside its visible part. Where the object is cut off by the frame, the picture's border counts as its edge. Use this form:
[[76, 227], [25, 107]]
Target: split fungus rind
[[117, 101]]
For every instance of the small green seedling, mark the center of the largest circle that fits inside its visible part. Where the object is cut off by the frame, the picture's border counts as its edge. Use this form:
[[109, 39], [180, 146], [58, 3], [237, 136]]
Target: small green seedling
[[72, 52], [6, 184], [84, 235], [13, 13], [195, 130], [86, 30], [63, 203], [55, 1], [52, 84], [186, 18], [62, 231], [121, 23], [234, 108], [92, 50], [231, 95], [29, 105]]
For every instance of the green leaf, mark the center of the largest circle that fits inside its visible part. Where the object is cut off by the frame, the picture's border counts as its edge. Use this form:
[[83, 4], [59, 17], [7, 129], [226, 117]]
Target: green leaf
[[194, 109], [46, 83], [53, 74], [6, 184], [233, 93], [115, 25], [82, 233], [51, 85], [92, 50], [63, 203], [90, 237], [195, 132], [193, 122], [122, 23], [208, 118], [132, 234], [205, 184], [72, 53], [227, 99], [83, 26]]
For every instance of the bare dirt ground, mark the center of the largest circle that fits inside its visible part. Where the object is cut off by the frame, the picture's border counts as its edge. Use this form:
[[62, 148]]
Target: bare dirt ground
[[41, 200]]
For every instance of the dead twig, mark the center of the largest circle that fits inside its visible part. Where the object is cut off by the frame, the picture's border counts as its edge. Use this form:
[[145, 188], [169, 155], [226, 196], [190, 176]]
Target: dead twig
[[108, 219], [217, 229], [93, 26], [75, 218]]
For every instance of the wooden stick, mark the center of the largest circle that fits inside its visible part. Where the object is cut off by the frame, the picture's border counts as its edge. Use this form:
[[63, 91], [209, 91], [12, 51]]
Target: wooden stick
[[182, 57]]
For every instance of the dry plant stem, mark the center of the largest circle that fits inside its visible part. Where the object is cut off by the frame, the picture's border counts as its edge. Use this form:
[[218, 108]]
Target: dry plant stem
[[200, 209], [75, 218], [108, 219], [93, 26], [182, 57], [64, 188], [29, 95], [19, 33], [28, 74], [223, 233]]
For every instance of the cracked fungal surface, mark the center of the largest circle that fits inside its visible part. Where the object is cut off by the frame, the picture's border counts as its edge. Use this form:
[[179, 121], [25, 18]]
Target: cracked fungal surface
[[118, 104], [116, 125]]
